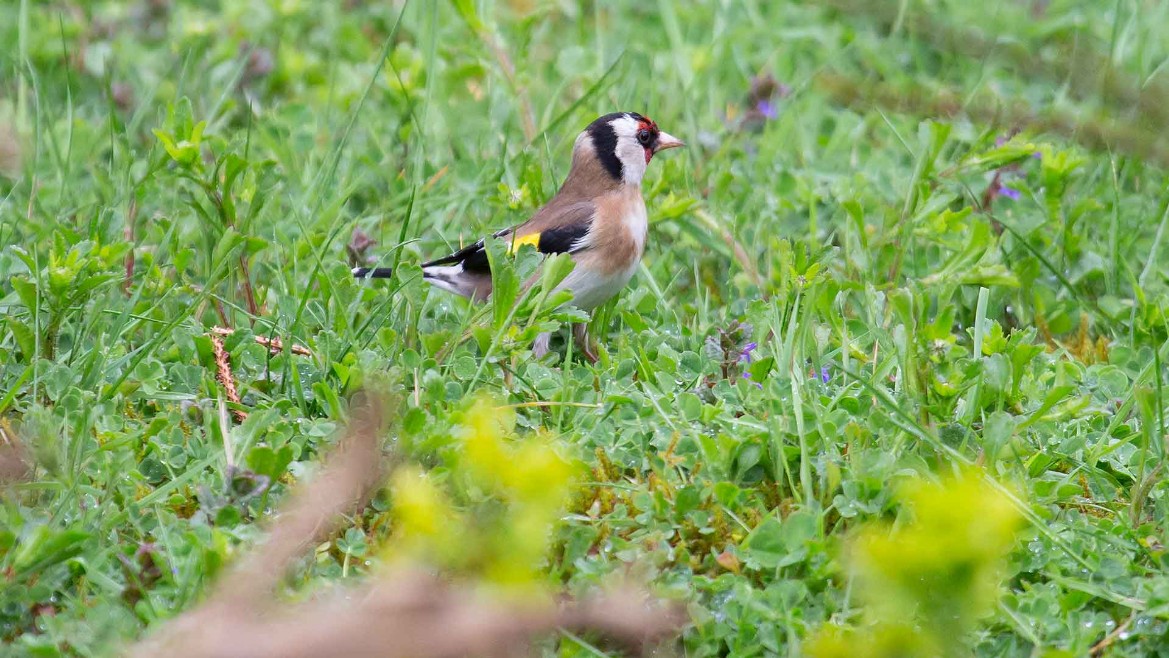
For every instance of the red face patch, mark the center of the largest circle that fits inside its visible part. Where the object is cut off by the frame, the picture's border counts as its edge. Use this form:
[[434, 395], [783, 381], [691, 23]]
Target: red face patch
[[647, 136]]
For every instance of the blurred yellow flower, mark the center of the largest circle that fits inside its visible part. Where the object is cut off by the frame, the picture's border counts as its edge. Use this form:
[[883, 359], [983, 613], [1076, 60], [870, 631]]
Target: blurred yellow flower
[[885, 641], [426, 523], [504, 497], [943, 568]]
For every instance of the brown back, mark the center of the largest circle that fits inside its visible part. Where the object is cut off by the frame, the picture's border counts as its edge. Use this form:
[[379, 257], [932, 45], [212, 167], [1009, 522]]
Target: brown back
[[587, 180]]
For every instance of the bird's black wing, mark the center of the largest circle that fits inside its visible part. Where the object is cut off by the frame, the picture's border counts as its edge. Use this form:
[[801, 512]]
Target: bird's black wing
[[565, 235], [562, 239]]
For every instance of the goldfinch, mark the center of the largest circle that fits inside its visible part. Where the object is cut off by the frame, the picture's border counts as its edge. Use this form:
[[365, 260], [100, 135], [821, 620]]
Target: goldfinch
[[598, 216]]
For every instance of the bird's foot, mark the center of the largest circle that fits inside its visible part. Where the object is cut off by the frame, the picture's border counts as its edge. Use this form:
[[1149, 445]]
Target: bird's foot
[[540, 346], [580, 333]]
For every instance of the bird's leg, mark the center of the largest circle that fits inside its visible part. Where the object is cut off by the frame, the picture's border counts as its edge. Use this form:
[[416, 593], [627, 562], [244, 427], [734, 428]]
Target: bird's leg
[[580, 333], [540, 346]]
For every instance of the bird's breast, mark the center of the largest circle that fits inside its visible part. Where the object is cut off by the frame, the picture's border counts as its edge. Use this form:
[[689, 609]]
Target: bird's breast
[[637, 223], [619, 232], [617, 242]]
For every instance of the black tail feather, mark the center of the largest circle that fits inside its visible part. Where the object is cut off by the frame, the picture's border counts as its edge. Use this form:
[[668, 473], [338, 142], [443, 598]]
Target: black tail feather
[[373, 272], [473, 257]]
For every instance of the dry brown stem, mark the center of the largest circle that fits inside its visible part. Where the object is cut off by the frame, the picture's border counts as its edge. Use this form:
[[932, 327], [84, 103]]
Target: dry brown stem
[[274, 345], [224, 377], [406, 612], [14, 461]]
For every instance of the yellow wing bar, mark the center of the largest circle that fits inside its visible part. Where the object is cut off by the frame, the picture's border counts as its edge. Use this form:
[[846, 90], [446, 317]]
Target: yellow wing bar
[[531, 238]]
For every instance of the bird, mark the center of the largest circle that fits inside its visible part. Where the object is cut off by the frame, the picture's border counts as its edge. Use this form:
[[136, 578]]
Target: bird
[[598, 216]]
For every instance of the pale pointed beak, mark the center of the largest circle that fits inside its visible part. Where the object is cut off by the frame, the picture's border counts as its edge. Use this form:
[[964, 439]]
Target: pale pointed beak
[[667, 141]]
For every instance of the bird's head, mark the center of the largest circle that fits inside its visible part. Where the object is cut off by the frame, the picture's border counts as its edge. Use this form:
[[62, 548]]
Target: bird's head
[[623, 143]]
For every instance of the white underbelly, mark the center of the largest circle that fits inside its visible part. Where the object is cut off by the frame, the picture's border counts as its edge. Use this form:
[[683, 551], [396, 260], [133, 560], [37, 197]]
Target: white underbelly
[[590, 289]]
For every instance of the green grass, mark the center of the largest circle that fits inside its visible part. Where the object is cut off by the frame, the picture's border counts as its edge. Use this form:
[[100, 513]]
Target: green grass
[[904, 331]]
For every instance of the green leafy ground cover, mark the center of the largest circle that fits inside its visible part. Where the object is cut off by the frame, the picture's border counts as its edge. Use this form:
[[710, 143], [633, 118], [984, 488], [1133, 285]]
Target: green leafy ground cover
[[861, 285]]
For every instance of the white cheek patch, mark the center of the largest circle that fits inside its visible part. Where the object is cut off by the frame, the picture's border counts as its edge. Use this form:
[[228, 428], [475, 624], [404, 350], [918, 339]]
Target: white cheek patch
[[629, 150], [632, 160]]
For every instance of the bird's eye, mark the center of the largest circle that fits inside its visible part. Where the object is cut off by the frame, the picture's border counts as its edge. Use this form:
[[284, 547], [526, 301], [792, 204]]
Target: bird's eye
[[644, 137]]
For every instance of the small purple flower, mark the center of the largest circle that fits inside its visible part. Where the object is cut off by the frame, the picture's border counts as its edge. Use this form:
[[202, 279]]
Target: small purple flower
[[745, 357], [1010, 192], [825, 374], [767, 108]]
